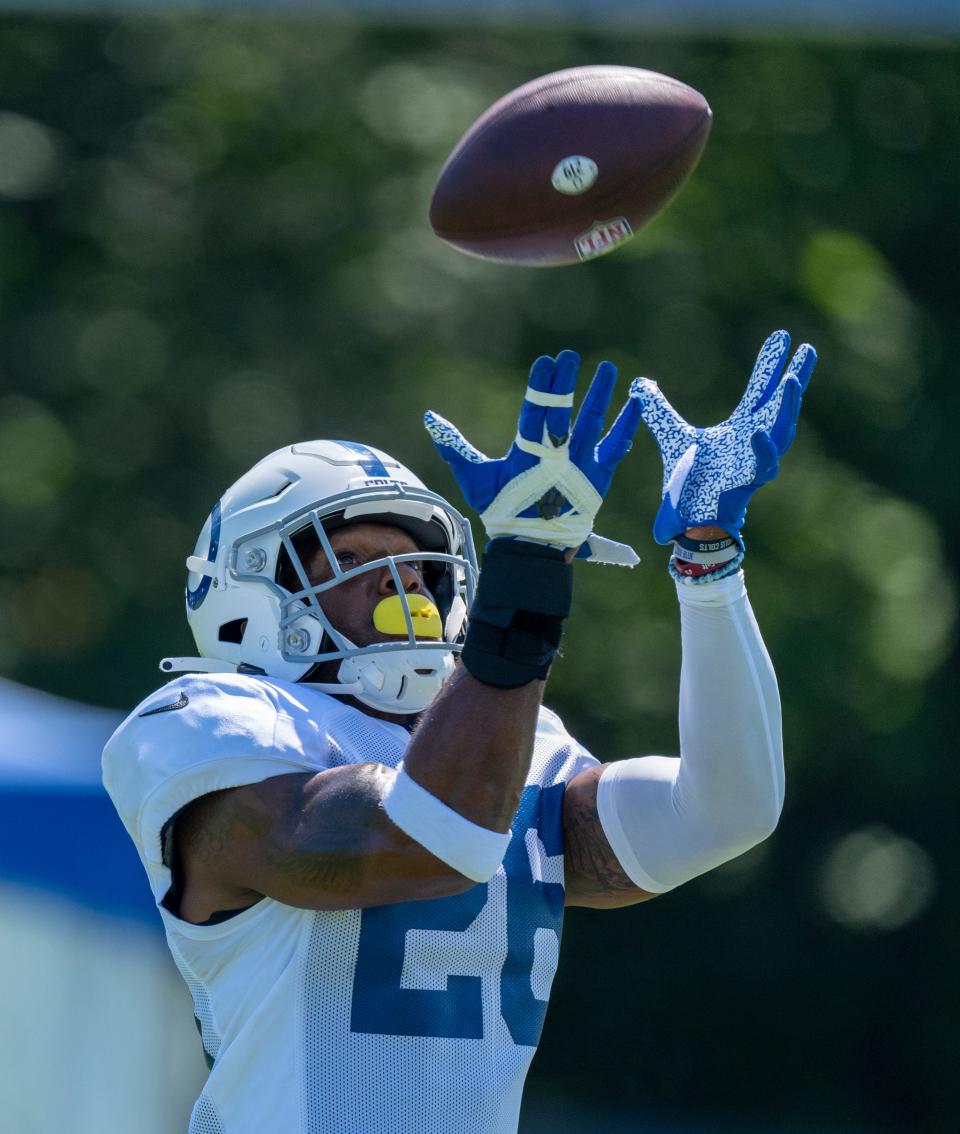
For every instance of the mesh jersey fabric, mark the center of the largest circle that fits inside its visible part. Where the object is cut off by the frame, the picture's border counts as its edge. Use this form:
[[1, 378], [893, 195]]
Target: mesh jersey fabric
[[414, 1018], [204, 1118]]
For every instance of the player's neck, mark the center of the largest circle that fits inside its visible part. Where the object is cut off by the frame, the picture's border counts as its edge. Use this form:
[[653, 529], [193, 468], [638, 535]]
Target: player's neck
[[405, 720]]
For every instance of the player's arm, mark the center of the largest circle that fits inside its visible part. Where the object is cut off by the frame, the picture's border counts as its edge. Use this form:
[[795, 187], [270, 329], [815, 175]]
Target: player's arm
[[593, 875], [640, 827], [324, 841], [643, 826], [366, 836]]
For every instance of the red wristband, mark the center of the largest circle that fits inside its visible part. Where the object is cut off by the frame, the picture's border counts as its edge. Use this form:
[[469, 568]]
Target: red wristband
[[697, 570]]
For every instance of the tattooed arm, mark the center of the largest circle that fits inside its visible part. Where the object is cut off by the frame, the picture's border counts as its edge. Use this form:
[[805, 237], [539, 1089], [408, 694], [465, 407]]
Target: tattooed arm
[[593, 876], [315, 841], [323, 841]]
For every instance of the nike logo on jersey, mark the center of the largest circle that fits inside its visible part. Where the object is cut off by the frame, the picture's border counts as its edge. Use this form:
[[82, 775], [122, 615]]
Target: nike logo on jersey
[[181, 703]]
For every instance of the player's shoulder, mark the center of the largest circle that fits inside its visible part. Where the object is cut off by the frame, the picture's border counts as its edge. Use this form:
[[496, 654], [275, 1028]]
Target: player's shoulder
[[195, 700], [202, 733], [197, 692], [227, 702], [199, 718]]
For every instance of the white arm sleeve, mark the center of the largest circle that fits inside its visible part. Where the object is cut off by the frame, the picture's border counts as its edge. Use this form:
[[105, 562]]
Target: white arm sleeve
[[668, 820]]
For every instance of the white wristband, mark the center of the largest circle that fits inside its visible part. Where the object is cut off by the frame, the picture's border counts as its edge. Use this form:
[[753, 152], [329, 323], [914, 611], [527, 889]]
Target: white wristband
[[474, 851]]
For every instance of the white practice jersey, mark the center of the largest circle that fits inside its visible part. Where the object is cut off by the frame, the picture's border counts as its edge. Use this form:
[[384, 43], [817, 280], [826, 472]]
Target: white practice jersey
[[415, 1018]]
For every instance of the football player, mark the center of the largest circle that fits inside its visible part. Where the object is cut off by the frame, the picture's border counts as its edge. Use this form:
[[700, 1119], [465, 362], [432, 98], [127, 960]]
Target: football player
[[359, 822]]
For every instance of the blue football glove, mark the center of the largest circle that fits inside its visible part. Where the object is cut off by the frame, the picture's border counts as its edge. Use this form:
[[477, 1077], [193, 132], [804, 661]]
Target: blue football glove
[[710, 474], [551, 483]]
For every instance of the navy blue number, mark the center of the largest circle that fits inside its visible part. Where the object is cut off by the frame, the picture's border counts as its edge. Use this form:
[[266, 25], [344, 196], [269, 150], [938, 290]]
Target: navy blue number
[[531, 905], [381, 1007]]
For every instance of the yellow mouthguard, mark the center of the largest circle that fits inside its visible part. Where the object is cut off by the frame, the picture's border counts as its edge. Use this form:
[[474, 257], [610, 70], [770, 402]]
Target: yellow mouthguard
[[388, 616]]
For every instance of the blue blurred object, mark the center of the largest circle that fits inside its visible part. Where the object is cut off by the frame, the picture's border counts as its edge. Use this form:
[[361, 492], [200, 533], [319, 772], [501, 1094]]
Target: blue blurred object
[[59, 831]]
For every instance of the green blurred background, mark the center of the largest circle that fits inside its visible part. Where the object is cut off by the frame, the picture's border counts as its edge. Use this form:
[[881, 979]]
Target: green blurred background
[[213, 241]]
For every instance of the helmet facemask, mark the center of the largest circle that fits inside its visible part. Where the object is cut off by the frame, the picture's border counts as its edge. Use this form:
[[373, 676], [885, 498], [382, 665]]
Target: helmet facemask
[[443, 575], [402, 675]]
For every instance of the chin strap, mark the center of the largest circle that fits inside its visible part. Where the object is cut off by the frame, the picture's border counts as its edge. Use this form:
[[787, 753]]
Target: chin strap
[[398, 681], [205, 665], [215, 665]]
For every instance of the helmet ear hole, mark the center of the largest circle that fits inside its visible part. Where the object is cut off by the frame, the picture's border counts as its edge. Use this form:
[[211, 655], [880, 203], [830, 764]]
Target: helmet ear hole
[[233, 631]]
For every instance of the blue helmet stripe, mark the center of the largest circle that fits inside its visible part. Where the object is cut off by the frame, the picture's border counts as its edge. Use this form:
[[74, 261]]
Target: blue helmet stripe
[[196, 597], [366, 459]]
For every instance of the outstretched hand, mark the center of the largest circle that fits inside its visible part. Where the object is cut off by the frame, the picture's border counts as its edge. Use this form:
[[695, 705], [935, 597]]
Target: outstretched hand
[[710, 474], [550, 484]]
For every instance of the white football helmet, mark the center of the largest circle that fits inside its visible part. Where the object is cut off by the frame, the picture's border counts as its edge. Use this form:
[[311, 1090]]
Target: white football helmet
[[253, 609]]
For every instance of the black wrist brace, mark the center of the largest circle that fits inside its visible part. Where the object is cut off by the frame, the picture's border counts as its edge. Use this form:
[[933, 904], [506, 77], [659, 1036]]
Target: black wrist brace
[[516, 620]]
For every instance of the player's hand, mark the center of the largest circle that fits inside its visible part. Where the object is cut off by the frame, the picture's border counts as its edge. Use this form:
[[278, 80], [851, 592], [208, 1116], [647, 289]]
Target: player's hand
[[710, 474], [551, 483]]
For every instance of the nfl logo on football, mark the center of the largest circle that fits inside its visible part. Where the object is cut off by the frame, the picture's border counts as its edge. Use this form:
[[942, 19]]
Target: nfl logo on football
[[602, 237]]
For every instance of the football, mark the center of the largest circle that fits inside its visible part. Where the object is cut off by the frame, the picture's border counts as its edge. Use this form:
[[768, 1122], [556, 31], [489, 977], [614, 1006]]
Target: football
[[569, 166]]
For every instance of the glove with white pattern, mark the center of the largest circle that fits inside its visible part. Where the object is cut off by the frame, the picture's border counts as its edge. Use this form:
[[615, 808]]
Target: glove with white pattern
[[551, 483], [710, 474]]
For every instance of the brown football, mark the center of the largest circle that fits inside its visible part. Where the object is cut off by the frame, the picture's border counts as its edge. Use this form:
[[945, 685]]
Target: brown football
[[568, 166]]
